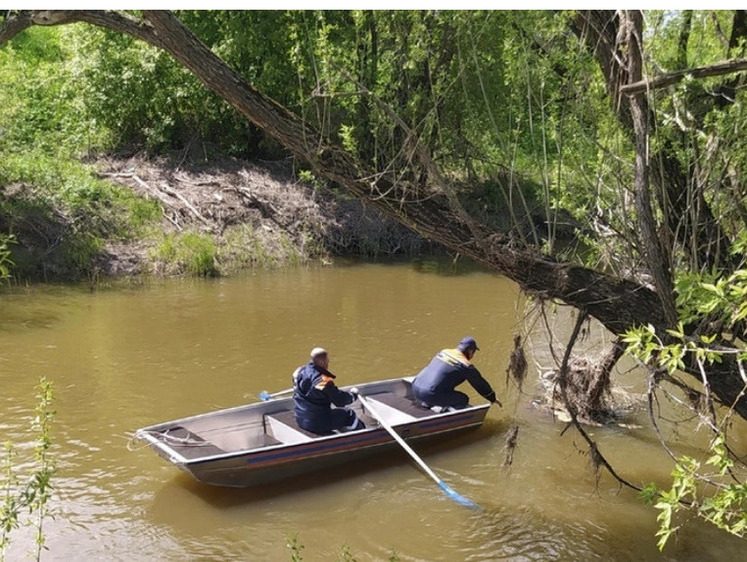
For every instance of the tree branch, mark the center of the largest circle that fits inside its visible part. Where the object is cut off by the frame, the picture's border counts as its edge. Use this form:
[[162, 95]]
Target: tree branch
[[13, 24], [596, 455], [717, 69], [116, 21]]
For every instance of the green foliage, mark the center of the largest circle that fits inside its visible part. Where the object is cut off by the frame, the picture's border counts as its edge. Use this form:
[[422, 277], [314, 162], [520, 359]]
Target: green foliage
[[146, 99], [40, 89], [348, 139], [40, 488], [307, 176], [11, 507], [720, 298], [295, 547], [719, 498], [62, 208], [35, 494], [692, 490], [700, 297], [344, 555], [190, 252], [408, 61], [137, 91]]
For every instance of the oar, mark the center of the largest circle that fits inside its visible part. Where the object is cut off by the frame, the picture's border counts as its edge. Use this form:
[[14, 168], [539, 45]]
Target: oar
[[443, 485], [264, 395]]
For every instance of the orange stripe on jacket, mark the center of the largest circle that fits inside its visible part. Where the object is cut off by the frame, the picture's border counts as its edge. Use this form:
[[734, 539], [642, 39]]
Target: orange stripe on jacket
[[453, 357], [325, 380]]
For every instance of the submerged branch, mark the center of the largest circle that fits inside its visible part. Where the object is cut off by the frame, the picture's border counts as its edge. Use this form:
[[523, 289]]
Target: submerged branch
[[597, 457]]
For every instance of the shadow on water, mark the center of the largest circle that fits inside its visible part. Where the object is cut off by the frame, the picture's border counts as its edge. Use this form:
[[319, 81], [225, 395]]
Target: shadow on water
[[447, 266], [441, 265]]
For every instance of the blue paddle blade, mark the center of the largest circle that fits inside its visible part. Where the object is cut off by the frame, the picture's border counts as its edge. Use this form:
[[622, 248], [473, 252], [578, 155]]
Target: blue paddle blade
[[264, 395], [454, 495]]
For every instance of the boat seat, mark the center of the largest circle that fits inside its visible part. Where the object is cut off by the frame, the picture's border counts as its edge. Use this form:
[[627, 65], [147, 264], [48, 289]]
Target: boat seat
[[284, 428], [397, 408]]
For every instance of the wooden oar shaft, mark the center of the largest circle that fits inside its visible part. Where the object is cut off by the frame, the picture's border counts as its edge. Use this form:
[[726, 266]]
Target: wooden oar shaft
[[399, 439], [264, 395], [445, 487]]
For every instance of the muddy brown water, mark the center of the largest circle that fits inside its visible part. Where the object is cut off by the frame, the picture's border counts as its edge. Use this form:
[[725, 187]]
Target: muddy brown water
[[126, 357]]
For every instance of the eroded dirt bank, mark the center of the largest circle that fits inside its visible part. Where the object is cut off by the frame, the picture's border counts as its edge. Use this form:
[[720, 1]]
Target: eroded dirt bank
[[258, 214]]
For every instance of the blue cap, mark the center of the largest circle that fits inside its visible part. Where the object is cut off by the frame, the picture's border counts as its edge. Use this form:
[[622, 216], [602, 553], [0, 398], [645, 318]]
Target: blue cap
[[467, 343]]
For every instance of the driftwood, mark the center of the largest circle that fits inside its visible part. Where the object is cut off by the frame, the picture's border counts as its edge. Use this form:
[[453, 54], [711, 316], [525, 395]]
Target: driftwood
[[160, 192], [157, 193], [166, 189], [148, 188], [265, 207]]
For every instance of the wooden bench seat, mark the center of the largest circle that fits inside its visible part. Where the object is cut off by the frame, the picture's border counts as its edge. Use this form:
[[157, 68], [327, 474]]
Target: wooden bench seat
[[395, 408]]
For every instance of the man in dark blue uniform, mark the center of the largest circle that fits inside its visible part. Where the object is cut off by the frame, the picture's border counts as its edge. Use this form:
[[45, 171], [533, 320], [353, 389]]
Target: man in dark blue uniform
[[434, 386], [315, 392]]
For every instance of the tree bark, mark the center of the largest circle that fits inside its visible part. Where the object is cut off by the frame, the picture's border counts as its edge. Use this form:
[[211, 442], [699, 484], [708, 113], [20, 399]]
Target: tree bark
[[631, 29]]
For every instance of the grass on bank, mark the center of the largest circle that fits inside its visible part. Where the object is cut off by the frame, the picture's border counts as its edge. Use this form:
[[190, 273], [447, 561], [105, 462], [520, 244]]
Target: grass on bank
[[61, 215], [190, 252], [240, 247]]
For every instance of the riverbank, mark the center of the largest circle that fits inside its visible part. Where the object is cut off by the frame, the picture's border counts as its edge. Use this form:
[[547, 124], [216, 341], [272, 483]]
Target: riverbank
[[205, 218], [251, 215]]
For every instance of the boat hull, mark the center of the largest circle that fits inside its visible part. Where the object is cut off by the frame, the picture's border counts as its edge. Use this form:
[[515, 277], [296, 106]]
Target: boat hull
[[259, 443]]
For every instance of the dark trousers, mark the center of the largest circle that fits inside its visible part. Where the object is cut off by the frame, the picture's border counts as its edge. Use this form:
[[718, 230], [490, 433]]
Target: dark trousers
[[336, 418], [452, 398]]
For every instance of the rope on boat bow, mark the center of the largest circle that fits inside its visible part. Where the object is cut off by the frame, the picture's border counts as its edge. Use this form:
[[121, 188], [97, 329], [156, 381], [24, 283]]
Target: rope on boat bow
[[187, 441]]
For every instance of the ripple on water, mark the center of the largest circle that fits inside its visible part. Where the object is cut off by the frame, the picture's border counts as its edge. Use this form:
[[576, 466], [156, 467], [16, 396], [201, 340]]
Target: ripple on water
[[526, 534]]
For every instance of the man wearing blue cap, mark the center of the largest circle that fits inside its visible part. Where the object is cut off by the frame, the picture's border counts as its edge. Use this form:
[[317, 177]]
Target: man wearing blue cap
[[434, 386]]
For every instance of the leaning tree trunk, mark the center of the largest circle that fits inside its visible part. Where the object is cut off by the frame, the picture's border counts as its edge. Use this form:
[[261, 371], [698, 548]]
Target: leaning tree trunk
[[689, 217], [430, 210]]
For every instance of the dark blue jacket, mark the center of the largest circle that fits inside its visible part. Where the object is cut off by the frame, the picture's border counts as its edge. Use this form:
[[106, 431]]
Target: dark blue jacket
[[448, 369], [315, 392]]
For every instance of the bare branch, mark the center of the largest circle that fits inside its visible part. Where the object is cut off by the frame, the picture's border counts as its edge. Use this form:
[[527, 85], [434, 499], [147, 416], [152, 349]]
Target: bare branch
[[717, 69], [597, 456]]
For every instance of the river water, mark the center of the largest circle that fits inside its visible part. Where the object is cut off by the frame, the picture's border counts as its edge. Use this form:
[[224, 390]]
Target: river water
[[125, 357]]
